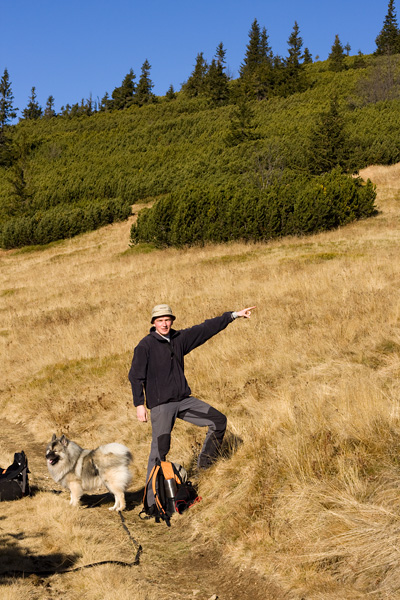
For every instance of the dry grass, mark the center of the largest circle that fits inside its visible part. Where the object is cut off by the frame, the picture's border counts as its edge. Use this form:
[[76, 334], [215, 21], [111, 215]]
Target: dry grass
[[306, 493]]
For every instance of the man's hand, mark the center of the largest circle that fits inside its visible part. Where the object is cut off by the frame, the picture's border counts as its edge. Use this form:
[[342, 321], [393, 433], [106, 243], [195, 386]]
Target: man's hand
[[246, 312], [141, 413]]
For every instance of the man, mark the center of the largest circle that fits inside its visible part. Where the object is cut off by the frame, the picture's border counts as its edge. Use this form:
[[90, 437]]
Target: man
[[157, 376]]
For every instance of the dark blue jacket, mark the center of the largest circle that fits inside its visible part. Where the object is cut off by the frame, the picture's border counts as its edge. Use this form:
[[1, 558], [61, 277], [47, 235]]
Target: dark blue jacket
[[157, 369]]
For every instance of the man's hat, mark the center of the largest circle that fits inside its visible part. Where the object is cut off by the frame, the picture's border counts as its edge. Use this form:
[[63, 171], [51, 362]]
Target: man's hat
[[161, 310]]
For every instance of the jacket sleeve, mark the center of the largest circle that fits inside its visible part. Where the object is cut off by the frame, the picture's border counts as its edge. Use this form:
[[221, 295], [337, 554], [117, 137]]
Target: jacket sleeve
[[138, 373], [198, 334]]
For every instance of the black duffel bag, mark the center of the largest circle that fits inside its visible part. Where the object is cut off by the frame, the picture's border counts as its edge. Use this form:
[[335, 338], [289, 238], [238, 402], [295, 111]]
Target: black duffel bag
[[14, 482]]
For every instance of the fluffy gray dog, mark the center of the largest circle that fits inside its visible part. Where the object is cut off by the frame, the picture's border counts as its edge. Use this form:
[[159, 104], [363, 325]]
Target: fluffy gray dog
[[80, 470]]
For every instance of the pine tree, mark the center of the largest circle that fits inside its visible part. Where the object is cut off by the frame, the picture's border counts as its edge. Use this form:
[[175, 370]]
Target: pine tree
[[280, 75], [105, 103], [265, 48], [359, 62], [256, 73], [89, 106], [216, 80], [123, 96], [7, 113], [49, 111], [144, 95], [388, 40], [75, 111], [171, 94], [33, 109], [7, 110], [264, 80], [336, 56], [241, 127], [295, 44], [66, 110], [295, 79], [195, 85], [307, 57], [328, 146], [252, 59]]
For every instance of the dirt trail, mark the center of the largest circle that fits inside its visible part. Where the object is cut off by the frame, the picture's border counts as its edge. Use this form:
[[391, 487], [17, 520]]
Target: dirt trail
[[168, 561]]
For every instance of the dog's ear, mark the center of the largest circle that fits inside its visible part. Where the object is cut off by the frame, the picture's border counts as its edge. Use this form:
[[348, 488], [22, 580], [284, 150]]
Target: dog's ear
[[54, 437], [64, 440]]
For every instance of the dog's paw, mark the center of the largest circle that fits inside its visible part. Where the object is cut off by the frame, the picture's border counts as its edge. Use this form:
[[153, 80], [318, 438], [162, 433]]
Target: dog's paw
[[117, 507]]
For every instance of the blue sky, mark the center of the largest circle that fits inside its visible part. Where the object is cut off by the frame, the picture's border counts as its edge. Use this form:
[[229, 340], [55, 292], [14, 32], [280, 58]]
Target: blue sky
[[73, 49]]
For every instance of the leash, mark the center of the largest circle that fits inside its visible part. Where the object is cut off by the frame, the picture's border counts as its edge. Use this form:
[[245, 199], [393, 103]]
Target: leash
[[14, 572], [136, 561], [135, 543]]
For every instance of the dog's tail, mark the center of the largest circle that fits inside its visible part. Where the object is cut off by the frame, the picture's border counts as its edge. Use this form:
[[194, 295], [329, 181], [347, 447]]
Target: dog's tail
[[116, 449]]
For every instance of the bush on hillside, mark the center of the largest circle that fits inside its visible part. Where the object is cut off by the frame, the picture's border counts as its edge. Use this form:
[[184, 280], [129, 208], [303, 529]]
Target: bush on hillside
[[171, 147], [294, 205], [62, 222]]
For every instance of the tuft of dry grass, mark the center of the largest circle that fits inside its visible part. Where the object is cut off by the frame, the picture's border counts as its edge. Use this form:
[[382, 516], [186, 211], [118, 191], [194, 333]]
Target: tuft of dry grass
[[305, 494]]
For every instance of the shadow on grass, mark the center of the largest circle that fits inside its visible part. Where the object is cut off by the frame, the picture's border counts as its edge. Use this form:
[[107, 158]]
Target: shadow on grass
[[230, 445], [34, 489], [132, 499], [17, 561]]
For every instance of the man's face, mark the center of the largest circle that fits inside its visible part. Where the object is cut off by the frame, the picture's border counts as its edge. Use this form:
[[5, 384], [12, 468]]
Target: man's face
[[162, 325]]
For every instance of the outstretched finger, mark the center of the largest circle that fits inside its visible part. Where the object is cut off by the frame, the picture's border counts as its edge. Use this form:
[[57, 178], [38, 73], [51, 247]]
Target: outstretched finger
[[246, 312]]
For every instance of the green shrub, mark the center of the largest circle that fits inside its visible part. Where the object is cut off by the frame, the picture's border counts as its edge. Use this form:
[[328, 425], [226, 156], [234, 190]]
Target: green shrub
[[62, 222], [295, 205]]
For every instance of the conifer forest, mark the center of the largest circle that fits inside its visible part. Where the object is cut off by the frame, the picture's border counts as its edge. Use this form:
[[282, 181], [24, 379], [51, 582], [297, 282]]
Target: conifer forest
[[274, 152]]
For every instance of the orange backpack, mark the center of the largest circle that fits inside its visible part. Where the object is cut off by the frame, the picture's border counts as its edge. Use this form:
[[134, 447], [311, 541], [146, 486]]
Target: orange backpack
[[173, 493]]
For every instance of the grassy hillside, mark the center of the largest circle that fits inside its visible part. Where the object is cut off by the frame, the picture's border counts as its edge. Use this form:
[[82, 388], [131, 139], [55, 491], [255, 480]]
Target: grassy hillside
[[89, 170], [304, 502]]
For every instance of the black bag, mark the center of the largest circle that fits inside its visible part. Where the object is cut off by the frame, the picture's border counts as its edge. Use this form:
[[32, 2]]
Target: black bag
[[172, 492], [14, 483]]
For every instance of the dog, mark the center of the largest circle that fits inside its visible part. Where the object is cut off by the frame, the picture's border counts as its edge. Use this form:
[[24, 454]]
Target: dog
[[80, 470]]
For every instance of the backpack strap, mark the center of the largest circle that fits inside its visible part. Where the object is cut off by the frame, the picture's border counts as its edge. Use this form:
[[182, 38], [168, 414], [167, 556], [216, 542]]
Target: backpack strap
[[156, 482], [159, 495], [167, 469], [146, 487], [170, 471]]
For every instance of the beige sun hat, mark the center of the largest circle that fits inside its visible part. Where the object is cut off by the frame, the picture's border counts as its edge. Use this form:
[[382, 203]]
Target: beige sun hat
[[162, 310]]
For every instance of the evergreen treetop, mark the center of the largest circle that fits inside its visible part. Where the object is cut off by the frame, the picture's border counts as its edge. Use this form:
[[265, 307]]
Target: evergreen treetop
[[265, 48], [256, 72], [388, 40], [253, 56], [144, 95], [7, 111], [336, 56], [293, 74], [195, 85], [307, 57], [171, 94], [295, 44], [216, 80], [33, 109], [49, 111], [123, 96]]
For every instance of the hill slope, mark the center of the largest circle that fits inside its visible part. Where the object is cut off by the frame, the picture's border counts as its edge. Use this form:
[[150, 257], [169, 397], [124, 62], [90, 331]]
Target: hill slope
[[304, 500], [72, 175]]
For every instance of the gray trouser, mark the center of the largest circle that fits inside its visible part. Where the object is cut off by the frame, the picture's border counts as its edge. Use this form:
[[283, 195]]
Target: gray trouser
[[193, 411]]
